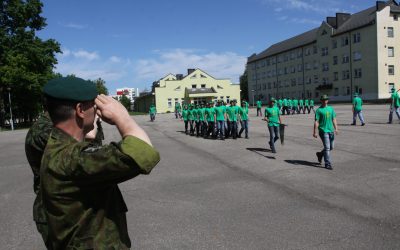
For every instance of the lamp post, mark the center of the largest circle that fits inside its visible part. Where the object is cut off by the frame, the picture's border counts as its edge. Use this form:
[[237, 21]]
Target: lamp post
[[253, 96], [9, 100]]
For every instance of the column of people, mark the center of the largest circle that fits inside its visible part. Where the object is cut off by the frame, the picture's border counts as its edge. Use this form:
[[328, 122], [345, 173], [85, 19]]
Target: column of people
[[216, 120], [291, 106]]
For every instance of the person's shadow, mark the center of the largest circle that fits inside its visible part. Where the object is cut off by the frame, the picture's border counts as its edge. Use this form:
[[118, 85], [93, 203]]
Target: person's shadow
[[259, 150], [305, 163]]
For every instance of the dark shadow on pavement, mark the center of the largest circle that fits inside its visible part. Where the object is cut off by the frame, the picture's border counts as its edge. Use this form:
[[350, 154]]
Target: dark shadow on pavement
[[258, 150], [305, 163]]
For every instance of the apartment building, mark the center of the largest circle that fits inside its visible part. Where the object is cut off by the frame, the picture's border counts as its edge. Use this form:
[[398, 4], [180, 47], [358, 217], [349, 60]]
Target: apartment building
[[347, 53]]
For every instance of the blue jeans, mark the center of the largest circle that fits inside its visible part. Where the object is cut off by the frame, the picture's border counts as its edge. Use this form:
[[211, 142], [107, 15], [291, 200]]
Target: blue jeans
[[397, 110], [273, 136], [221, 128], [360, 115], [245, 127], [328, 142]]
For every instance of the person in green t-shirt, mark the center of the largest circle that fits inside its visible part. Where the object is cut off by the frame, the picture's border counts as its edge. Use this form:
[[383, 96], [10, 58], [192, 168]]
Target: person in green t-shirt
[[202, 119], [326, 124], [191, 118], [232, 113], [295, 109], [220, 117], [311, 106], [244, 120], [185, 115], [259, 105], [272, 116], [357, 109], [196, 119], [209, 117], [301, 105], [290, 105], [285, 107], [178, 110], [152, 112], [394, 104]]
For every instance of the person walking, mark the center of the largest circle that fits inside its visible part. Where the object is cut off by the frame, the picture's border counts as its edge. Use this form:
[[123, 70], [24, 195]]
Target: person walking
[[244, 120], [285, 108], [185, 115], [178, 110], [394, 105], [272, 116], [220, 117], [311, 107], [191, 117], [326, 126], [259, 106], [152, 112], [357, 109]]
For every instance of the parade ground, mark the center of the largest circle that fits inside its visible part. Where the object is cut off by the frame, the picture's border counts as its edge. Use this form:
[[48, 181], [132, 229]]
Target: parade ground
[[237, 194]]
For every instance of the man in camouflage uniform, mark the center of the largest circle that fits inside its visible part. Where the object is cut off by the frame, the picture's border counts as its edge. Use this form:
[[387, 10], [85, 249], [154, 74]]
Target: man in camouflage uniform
[[83, 204]]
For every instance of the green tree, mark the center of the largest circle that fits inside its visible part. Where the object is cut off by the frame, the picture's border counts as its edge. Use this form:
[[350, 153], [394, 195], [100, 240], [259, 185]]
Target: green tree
[[101, 86], [26, 61], [126, 102], [244, 87]]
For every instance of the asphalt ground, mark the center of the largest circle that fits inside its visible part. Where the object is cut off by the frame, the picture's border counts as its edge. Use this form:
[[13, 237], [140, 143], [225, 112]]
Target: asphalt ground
[[236, 194]]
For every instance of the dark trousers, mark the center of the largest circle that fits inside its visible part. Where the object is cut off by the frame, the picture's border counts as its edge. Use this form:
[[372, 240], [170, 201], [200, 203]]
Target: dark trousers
[[259, 111], [210, 130], [285, 109], [244, 126], [273, 136], [203, 128], [233, 129], [227, 129], [186, 126], [191, 127], [197, 128]]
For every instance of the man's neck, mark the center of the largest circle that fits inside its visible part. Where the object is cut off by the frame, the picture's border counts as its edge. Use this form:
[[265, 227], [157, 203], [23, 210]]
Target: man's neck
[[72, 129]]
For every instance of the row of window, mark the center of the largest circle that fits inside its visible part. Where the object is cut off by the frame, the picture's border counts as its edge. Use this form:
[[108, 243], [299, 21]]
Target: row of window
[[324, 51]]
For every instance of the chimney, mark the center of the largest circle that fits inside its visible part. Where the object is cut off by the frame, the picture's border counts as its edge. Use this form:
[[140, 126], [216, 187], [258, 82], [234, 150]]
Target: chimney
[[179, 76], [380, 5], [331, 21], [190, 71], [341, 18]]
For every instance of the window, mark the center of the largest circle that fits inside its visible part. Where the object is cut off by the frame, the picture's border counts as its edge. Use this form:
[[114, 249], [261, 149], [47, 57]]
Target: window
[[227, 99], [345, 74], [335, 60], [308, 80], [345, 41], [390, 51], [390, 32], [203, 86], [324, 51], [286, 58], [169, 103], [356, 38], [264, 86], [308, 51], [395, 17], [348, 91], [221, 97], [269, 85], [268, 62], [335, 76], [315, 49], [194, 86], [316, 64], [325, 80], [345, 58], [334, 44], [357, 56], [316, 94], [336, 93], [308, 66], [299, 68], [357, 73], [325, 67], [391, 69], [195, 75], [300, 81], [293, 82], [315, 79], [299, 53], [293, 69], [292, 55]]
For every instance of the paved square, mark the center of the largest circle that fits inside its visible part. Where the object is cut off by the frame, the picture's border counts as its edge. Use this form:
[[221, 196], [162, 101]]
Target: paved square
[[235, 194]]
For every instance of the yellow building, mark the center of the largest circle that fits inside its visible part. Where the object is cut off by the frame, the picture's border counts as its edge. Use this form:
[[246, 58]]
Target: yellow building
[[347, 53], [196, 87]]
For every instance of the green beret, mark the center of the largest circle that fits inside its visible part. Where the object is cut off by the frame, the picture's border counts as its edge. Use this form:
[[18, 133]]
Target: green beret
[[324, 97], [71, 89]]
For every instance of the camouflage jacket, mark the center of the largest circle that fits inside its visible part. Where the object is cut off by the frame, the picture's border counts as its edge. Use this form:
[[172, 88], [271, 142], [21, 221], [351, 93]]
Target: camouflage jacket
[[84, 206]]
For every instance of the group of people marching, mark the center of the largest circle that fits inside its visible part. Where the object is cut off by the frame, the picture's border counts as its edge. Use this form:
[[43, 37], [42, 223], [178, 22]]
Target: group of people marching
[[215, 121], [290, 106]]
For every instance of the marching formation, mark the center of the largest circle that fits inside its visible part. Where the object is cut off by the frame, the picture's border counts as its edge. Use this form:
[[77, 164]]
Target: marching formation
[[290, 106], [215, 121]]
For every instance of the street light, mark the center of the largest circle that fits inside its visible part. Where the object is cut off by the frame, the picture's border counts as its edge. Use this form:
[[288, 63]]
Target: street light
[[9, 100], [253, 96]]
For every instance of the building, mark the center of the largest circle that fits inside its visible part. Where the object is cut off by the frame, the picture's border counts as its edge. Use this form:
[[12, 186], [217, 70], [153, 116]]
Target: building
[[347, 53], [196, 87], [131, 93]]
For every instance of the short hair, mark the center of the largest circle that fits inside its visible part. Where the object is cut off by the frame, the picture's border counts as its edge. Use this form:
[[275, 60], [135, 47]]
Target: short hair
[[60, 110]]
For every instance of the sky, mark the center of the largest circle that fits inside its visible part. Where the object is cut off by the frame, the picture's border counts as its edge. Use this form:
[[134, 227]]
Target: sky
[[132, 43]]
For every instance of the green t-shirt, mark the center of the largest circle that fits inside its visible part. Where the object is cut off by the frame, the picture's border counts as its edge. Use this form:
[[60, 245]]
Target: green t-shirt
[[325, 116], [190, 115], [200, 112], [153, 110], [301, 102], [210, 112], [295, 102], [280, 102], [312, 103], [259, 104], [285, 102], [185, 114], [243, 112], [307, 102], [219, 112], [357, 104], [232, 112], [273, 116], [290, 103], [178, 107], [396, 99]]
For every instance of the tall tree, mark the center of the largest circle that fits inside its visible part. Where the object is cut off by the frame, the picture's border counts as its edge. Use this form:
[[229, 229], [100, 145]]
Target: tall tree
[[26, 61], [126, 102], [244, 86], [101, 86]]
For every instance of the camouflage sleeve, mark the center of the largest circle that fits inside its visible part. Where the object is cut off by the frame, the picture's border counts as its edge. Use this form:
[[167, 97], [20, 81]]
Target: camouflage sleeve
[[113, 163]]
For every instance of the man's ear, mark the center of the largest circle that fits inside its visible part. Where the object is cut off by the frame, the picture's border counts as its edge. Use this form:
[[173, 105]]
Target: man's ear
[[79, 110]]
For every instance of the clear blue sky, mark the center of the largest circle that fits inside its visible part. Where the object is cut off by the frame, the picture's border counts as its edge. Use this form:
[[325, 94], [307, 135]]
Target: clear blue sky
[[131, 43]]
